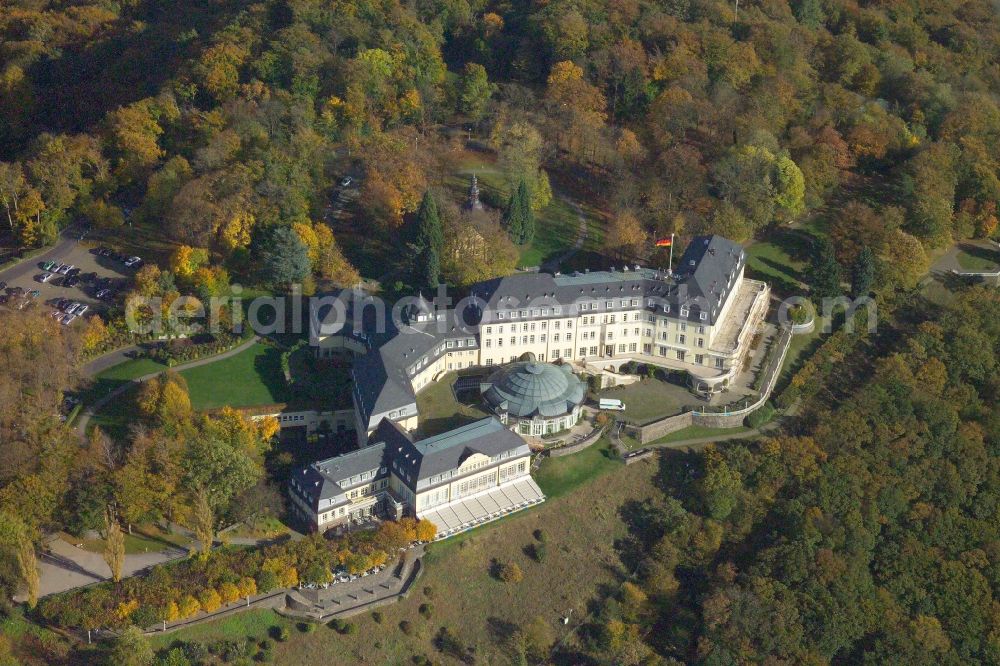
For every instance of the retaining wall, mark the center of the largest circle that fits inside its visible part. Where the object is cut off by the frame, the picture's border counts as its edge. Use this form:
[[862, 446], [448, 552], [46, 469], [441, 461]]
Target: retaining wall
[[650, 432], [578, 446]]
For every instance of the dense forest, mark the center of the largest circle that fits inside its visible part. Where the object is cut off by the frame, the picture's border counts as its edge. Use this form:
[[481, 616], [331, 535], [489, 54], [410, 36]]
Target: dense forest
[[217, 128], [218, 123], [868, 534]]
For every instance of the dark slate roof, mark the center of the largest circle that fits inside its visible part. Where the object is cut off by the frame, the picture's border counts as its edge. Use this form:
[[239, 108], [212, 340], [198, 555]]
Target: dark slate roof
[[701, 285], [530, 389], [380, 386], [327, 479], [442, 453]]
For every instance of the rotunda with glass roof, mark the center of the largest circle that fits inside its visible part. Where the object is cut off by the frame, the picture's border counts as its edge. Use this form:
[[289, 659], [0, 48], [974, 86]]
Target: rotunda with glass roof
[[535, 398]]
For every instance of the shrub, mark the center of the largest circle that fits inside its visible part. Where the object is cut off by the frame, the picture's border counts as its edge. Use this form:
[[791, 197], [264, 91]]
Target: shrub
[[539, 535], [247, 586], [406, 627], [145, 616], [421, 660], [761, 416], [266, 581], [429, 592], [426, 610], [307, 627], [538, 552], [509, 572], [189, 606], [229, 593], [337, 625], [377, 616], [279, 633], [210, 600], [350, 628]]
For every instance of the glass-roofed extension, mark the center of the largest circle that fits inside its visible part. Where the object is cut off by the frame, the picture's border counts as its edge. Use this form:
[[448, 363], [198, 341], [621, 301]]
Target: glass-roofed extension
[[535, 398]]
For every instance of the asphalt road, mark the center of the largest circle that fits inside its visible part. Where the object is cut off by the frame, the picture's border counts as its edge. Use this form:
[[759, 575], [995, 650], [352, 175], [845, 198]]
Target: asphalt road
[[22, 273]]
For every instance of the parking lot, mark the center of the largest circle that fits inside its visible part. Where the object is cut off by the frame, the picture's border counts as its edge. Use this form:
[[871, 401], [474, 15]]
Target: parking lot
[[89, 275]]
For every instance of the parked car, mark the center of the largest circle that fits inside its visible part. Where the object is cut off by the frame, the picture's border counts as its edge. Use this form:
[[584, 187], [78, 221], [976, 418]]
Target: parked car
[[34, 293], [71, 281], [3, 285], [44, 277], [346, 181], [47, 265], [65, 269], [68, 319], [133, 262], [105, 294], [80, 310], [73, 272]]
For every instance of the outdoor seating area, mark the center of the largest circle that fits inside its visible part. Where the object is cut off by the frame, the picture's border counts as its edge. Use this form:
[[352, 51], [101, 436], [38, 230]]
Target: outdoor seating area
[[485, 507]]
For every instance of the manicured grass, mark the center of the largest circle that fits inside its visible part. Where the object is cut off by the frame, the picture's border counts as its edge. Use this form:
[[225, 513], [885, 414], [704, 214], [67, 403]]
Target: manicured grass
[[556, 229], [558, 476], [980, 260], [781, 259], [651, 399], [440, 411], [116, 375], [252, 377], [580, 531]]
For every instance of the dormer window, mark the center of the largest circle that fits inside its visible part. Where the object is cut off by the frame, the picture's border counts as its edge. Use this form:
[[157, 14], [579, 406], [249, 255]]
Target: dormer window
[[684, 312], [703, 316]]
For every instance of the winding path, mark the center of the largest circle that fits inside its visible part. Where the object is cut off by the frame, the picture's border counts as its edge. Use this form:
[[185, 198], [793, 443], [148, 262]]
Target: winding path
[[89, 412]]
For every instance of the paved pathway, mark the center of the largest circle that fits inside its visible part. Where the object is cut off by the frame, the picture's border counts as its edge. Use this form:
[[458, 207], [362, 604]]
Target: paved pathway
[[111, 359], [28, 267], [63, 566], [85, 417]]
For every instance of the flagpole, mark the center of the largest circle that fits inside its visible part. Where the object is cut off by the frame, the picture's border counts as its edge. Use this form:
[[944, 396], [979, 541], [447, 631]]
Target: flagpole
[[670, 262]]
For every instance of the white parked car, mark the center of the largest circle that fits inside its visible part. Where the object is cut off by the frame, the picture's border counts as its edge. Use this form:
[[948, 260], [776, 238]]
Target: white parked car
[[81, 309], [133, 261], [68, 319]]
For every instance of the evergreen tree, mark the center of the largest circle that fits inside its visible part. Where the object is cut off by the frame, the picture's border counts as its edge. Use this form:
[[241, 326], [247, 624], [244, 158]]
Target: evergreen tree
[[809, 13], [519, 218], [285, 258], [862, 273], [824, 273], [430, 240]]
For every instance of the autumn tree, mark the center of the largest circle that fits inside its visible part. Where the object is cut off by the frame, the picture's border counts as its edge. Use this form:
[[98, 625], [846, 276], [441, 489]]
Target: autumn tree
[[625, 239], [474, 91], [114, 544]]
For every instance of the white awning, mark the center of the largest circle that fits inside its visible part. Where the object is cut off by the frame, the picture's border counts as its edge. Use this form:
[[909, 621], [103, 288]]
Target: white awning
[[484, 507]]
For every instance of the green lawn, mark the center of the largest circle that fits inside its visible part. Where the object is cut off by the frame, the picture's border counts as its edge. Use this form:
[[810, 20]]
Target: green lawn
[[978, 260], [116, 375], [559, 476], [556, 229], [780, 259], [651, 399], [252, 377], [440, 411]]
